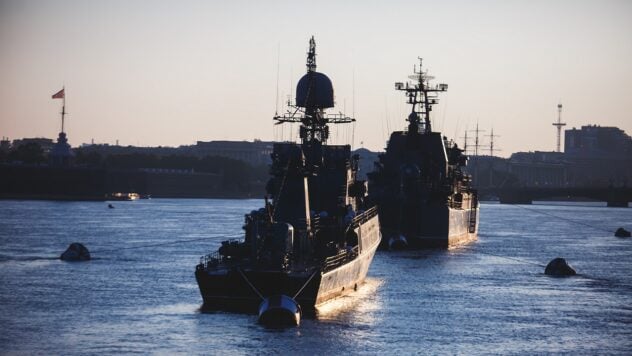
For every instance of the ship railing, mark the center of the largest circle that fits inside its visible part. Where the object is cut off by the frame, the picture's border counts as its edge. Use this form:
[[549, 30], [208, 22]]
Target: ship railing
[[315, 223], [212, 259], [364, 217], [339, 259], [215, 259]]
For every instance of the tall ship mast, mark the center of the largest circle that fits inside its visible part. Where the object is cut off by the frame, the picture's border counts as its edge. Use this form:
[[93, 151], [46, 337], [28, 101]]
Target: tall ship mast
[[425, 198], [316, 235]]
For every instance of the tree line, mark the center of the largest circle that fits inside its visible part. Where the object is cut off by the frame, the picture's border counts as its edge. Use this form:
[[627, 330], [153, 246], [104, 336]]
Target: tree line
[[235, 174]]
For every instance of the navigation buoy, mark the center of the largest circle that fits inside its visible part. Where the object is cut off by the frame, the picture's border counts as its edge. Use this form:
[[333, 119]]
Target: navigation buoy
[[621, 232], [279, 311], [398, 242], [76, 252], [559, 267]]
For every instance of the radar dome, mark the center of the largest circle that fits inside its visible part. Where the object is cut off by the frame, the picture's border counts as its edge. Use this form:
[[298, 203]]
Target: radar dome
[[320, 95]]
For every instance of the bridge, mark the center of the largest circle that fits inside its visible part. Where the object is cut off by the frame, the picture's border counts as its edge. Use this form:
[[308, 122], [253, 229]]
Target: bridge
[[614, 197]]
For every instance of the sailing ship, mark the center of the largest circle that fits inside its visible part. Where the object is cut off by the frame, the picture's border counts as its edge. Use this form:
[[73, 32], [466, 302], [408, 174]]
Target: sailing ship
[[425, 198], [316, 235]]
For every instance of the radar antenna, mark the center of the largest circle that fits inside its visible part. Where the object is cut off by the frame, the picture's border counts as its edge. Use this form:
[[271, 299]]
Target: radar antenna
[[311, 56], [421, 95], [316, 93]]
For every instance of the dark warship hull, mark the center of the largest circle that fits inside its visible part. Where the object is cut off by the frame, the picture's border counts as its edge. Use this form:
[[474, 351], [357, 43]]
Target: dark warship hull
[[228, 288], [424, 196], [438, 227], [317, 233]]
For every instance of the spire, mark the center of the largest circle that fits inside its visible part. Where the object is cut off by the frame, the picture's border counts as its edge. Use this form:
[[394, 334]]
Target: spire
[[559, 125]]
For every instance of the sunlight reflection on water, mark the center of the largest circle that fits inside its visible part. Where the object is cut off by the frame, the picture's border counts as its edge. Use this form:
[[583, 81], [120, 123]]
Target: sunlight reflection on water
[[488, 297]]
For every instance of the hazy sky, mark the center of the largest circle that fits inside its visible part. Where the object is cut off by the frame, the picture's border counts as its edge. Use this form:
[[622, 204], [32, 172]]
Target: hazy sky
[[173, 72]]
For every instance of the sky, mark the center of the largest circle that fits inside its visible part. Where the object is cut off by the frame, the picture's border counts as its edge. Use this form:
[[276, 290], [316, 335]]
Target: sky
[[170, 73]]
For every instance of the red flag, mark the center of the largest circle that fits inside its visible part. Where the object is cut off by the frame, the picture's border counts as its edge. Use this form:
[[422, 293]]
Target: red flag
[[59, 94]]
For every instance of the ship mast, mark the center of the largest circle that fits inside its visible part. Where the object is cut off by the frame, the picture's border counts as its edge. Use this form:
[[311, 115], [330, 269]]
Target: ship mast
[[311, 101], [421, 95]]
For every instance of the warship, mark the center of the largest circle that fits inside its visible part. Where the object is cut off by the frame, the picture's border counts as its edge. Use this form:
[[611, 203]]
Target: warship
[[316, 235], [424, 196]]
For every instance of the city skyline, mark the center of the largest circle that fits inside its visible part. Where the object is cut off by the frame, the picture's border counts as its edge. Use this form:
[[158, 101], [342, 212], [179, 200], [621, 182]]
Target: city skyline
[[153, 73]]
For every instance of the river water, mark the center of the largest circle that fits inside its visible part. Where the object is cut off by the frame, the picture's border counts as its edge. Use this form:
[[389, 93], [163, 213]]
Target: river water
[[139, 295]]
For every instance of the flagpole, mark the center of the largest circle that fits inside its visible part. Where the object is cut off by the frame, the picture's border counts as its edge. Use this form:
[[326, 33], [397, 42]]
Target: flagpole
[[63, 108]]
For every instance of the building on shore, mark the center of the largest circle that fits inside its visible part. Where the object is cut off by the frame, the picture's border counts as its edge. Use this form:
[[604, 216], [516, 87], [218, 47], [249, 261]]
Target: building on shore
[[45, 143], [255, 153], [598, 156], [593, 156]]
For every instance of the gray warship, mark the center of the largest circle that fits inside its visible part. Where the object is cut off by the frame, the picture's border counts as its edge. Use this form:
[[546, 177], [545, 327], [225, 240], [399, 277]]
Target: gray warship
[[424, 196], [316, 235]]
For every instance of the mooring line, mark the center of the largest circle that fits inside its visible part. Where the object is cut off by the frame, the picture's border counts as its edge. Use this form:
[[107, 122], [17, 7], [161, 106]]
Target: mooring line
[[304, 285], [250, 284], [505, 257], [563, 218], [163, 244]]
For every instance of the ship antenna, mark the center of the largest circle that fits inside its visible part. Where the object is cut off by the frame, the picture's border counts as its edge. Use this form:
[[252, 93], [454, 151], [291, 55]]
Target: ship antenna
[[422, 93], [276, 102], [353, 107], [309, 108], [426, 101], [311, 56]]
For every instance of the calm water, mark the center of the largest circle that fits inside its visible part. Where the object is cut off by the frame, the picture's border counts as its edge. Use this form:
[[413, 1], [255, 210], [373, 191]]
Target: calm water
[[467, 300]]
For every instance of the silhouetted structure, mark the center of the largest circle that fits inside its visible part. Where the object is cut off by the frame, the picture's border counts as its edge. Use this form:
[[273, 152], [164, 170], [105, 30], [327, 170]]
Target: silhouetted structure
[[424, 197], [255, 153], [61, 154], [45, 143], [316, 238]]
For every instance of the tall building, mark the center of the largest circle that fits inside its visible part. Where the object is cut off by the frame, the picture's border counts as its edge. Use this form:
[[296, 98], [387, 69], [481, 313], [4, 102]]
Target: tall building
[[593, 156], [594, 141], [598, 156], [45, 143]]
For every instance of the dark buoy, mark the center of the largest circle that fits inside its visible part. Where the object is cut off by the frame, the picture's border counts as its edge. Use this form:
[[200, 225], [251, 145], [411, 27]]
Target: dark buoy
[[279, 311], [110, 206], [398, 242], [559, 267], [621, 232], [76, 252]]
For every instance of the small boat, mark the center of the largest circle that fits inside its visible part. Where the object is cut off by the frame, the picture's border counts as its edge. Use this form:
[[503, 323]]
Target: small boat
[[122, 196]]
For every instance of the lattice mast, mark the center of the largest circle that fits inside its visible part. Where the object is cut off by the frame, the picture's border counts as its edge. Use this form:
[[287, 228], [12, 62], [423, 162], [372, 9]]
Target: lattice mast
[[421, 95], [559, 125]]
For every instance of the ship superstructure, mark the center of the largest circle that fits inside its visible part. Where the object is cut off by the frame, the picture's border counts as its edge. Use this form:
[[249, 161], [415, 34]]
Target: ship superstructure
[[316, 235], [424, 196]]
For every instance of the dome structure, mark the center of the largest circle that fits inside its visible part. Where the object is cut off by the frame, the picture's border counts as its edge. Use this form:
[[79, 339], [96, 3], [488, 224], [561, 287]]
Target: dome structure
[[321, 93]]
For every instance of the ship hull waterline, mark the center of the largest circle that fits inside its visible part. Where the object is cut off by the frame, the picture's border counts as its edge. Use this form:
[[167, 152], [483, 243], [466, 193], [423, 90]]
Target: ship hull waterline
[[439, 228], [230, 289]]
